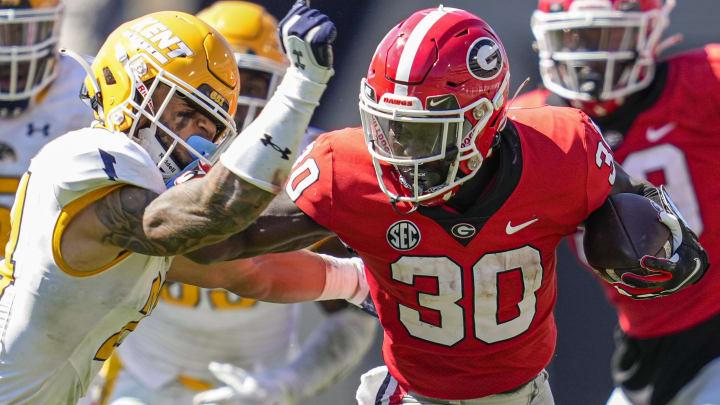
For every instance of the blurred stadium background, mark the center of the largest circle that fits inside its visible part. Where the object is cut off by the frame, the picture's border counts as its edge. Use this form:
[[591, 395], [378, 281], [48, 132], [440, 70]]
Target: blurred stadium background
[[579, 371]]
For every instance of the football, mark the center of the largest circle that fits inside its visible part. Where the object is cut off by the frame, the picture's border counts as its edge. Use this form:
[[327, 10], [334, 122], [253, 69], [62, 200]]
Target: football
[[621, 232]]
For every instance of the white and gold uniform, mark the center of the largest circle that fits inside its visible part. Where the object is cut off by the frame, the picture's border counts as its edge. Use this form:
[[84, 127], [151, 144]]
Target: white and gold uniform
[[56, 111], [57, 326]]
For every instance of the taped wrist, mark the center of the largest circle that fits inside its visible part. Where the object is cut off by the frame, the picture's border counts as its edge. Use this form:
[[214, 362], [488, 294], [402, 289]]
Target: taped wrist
[[264, 152], [344, 279]]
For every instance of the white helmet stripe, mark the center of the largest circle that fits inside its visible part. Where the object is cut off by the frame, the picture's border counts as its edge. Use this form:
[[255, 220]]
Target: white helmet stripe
[[413, 44]]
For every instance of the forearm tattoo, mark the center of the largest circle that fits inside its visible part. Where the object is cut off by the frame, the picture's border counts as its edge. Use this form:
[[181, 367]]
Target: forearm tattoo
[[122, 214], [186, 217]]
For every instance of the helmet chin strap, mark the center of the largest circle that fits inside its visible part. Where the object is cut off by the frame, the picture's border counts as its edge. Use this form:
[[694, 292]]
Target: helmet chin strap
[[148, 140], [413, 208]]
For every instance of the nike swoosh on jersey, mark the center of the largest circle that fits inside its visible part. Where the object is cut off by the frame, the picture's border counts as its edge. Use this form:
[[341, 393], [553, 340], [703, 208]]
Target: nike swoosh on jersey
[[509, 229], [655, 134]]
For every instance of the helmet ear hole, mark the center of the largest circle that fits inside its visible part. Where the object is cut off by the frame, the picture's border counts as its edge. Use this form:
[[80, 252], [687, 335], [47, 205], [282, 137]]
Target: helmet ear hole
[[108, 76]]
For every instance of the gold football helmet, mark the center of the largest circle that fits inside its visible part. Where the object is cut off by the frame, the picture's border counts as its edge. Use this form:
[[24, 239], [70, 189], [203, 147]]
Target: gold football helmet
[[252, 33], [29, 33], [168, 48]]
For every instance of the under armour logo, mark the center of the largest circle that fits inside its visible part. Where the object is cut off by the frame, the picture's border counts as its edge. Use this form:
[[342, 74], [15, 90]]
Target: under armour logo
[[268, 141], [44, 129], [298, 55]]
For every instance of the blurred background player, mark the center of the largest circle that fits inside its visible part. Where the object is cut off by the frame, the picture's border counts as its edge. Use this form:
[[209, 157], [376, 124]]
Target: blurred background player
[[661, 117], [165, 360], [38, 92]]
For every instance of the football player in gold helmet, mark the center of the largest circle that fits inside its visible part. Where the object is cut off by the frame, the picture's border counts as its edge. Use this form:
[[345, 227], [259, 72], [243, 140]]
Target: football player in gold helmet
[[94, 230]]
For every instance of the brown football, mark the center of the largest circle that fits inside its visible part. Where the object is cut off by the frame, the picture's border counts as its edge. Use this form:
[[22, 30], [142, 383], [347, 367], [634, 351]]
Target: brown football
[[621, 232]]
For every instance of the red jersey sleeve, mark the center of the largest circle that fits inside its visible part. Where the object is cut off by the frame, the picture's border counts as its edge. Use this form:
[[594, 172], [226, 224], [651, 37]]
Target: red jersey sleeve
[[713, 55], [311, 181], [601, 167]]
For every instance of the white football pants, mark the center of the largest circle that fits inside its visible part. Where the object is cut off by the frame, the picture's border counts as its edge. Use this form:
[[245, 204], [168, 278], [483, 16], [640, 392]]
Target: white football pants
[[374, 389]]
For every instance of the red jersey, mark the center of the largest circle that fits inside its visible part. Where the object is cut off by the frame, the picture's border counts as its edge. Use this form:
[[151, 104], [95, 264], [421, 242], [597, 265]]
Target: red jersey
[[671, 138], [465, 300]]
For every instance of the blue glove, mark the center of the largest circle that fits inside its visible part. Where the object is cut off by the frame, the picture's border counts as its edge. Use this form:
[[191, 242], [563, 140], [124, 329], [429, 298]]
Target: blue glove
[[306, 36]]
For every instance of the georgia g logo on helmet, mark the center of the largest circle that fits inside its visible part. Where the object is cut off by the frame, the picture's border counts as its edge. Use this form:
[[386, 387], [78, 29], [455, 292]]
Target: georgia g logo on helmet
[[484, 60]]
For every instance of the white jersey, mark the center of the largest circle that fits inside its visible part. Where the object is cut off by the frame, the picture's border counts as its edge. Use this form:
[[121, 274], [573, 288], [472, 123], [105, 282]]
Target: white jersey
[[57, 112], [193, 326], [57, 326]]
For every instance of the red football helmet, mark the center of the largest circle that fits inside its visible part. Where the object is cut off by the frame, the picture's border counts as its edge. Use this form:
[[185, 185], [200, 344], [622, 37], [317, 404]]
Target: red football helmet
[[434, 98], [598, 50]]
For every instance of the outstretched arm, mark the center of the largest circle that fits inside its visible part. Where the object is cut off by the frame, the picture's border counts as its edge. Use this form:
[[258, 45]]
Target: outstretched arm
[[284, 277], [282, 227], [204, 211]]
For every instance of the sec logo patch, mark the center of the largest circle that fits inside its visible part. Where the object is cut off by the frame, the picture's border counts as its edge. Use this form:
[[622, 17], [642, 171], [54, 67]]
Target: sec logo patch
[[403, 235]]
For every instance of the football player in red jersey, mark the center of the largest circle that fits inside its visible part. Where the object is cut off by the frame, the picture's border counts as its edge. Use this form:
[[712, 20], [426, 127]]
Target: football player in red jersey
[[660, 117], [459, 238]]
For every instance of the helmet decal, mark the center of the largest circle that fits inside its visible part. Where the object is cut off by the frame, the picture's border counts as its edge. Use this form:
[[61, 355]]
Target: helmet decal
[[484, 60], [161, 36]]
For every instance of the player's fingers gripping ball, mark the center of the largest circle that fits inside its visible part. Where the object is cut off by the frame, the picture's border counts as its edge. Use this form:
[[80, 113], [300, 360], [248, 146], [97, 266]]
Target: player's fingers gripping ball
[[688, 263], [618, 235], [642, 249]]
